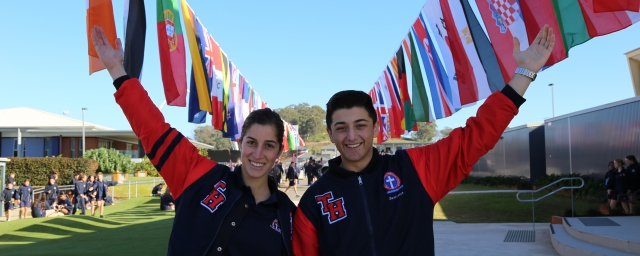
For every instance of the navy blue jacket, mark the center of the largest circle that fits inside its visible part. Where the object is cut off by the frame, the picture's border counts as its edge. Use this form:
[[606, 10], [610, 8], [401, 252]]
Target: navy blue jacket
[[25, 193], [387, 207], [54, 191], [205, 191], [8, 194], [102, 187]]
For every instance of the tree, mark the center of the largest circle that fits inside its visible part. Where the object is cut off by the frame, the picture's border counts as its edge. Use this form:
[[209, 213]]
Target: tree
[[110, 160], [445, 131], [426, 131], [208, 135], [308, 118]]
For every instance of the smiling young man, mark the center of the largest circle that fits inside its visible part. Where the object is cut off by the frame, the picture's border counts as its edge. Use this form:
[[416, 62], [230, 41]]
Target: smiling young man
[[372, 204]]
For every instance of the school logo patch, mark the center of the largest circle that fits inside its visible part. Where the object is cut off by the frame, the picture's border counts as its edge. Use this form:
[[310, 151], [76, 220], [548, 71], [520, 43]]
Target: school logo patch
[[276, 226], [392, 182], [333, 208], [216, 197]]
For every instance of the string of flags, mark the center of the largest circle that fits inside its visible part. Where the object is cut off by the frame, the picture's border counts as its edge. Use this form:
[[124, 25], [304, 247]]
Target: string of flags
[[453, 63], [216, 87], [445, 62]]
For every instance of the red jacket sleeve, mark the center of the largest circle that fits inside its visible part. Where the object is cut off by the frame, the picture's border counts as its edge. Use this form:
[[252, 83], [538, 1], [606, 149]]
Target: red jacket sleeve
[[443, 165], [305, 236], [176, 159]]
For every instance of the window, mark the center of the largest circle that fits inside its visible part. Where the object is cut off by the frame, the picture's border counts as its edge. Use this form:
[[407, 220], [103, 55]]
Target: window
[[128, 146], [73, 147], [105, 144], [47, 146], [15, 147]]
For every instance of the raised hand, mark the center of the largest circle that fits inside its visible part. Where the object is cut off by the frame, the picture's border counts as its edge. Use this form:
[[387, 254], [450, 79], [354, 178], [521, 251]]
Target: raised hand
[[534, 57], [110, 57]]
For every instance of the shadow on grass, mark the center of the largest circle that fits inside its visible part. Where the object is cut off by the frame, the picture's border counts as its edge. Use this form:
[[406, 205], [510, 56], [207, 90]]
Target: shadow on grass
[[140, 230]]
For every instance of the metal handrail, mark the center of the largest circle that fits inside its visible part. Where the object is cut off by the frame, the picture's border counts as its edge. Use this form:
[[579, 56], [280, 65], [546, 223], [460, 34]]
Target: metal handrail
[[532, 200], [550, 193], [125, 183]]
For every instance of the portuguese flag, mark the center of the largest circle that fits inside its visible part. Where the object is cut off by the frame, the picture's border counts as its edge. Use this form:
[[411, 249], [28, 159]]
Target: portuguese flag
[[173, 61]]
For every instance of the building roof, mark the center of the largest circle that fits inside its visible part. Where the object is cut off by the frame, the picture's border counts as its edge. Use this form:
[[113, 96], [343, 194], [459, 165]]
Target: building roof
[[23, 117]]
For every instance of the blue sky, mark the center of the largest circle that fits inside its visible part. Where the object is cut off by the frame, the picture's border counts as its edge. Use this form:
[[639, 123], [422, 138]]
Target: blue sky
[[290, 51]]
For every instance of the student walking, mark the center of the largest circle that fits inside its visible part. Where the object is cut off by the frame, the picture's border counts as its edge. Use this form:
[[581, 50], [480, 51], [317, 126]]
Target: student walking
[[25, 192], [293, 179], [9, 194], [101, 188]]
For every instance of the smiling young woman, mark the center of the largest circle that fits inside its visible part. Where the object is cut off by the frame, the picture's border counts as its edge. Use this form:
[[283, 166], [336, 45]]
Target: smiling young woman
[[218, 211]]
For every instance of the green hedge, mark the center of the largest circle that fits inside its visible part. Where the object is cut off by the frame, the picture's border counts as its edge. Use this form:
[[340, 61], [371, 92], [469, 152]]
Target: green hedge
[[38, 170]]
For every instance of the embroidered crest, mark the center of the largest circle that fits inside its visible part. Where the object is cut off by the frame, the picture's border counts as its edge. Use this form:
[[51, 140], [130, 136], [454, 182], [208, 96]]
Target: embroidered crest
[[216, 197], [333, 208], [276, 226], [392, 182]]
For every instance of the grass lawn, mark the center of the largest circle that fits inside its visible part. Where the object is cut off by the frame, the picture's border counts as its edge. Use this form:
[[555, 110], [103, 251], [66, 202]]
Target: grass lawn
[[133, 227], [503, 207], [144, 190]]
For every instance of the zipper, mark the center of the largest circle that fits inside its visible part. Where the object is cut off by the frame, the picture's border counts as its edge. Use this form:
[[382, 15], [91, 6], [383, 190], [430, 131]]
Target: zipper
[[366, 214]]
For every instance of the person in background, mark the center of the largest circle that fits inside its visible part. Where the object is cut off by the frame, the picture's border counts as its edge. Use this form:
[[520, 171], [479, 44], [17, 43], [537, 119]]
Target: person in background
[[12, 178], [91, 194], [617, 187], [607, 178], [101, 187], [309, 171], [633, 169], [64, 205], [74, 179], [9, 194], [80, 195], [40, 208], [157, 190], [293, 179], [167, 203], [51, 190], [25, 192], [54, 176]]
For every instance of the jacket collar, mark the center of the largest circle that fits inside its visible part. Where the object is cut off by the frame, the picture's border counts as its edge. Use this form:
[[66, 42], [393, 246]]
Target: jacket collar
[[334, 166], [239, 182]]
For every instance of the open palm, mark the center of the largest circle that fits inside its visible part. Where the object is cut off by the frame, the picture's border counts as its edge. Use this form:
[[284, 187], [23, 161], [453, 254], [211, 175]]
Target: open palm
[[110, 57], [534, 57]]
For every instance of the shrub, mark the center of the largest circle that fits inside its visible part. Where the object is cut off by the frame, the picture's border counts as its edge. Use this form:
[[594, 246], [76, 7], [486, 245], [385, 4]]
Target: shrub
[[147, 166], [110, 160], [38, 170]]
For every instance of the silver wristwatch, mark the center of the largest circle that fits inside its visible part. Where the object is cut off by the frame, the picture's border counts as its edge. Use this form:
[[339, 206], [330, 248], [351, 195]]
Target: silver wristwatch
[[527, 73]]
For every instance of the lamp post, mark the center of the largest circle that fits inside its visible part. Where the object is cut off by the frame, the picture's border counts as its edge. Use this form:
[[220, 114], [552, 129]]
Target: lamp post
[[553, 113], [83, 109]]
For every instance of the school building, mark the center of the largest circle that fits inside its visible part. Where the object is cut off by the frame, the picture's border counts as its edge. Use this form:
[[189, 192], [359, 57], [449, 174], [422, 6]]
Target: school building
[[46, 134]]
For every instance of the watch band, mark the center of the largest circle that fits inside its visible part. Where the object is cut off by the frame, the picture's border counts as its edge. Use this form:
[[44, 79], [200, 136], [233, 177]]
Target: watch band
[[526, 72]]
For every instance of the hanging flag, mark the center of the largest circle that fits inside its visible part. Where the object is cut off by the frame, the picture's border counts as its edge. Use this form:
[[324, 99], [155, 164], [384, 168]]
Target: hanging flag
[[383, 120], [503, 21], [215, 70], [434, 70], [408, 122], [616, 5], [99, 13], [172, 52], [291, 136], [374, 99], [393, 106], [226, 82], [485, 49], [135, 23], [420, 102], [197, 39], [195, 115], [536, 14], [230, 118], [302, 144], [246, 99], [285, 138], [430, 16]]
